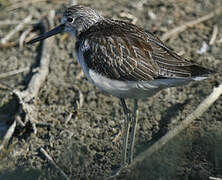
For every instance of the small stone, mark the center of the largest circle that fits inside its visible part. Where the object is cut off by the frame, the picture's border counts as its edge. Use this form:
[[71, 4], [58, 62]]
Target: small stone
[[111, 123]]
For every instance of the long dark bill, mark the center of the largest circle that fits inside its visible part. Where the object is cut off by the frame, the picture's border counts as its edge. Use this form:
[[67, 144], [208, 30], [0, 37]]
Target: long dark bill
[[53, 32]]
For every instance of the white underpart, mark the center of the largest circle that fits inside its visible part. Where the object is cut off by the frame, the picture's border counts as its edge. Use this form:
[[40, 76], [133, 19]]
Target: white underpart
[[199, 78], [128, 89]]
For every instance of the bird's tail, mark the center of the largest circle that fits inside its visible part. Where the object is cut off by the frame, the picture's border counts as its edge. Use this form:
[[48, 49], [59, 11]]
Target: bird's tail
[[199, 73]]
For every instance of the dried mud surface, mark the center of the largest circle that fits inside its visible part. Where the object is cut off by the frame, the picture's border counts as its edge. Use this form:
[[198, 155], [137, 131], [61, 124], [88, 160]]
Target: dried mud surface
[[88, 146]]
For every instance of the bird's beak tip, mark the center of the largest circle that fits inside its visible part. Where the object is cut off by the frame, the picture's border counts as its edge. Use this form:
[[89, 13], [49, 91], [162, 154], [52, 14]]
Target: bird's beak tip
[[56, 30]]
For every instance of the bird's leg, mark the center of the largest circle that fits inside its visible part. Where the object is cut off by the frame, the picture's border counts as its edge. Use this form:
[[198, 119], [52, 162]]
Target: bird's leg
[[133, 131], [127, 122]]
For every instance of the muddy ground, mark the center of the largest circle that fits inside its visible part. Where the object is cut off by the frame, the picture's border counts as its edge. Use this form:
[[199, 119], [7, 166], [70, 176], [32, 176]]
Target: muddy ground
[[88, 146]]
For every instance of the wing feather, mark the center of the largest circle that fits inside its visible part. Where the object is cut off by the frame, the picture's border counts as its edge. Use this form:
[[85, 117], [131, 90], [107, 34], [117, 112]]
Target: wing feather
[[122, 51]]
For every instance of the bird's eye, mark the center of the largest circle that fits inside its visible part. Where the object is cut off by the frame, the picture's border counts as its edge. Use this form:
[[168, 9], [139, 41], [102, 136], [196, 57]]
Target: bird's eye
[[70, 19]]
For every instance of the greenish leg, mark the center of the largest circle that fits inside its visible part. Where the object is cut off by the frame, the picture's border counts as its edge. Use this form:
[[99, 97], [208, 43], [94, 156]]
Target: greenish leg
[[127, 123], [133, 131]]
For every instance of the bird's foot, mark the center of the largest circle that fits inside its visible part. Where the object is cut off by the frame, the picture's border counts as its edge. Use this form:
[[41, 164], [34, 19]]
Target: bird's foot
[[117, 171]]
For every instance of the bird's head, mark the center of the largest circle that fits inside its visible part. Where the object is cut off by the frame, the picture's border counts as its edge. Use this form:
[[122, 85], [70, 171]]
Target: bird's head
[[76, 19]]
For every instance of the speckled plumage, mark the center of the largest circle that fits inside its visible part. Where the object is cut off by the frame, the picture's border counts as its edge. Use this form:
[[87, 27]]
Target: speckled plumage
[[123, 51]]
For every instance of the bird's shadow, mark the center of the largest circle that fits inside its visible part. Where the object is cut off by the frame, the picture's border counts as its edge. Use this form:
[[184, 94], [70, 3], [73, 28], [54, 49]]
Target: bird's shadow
[[167, 118]]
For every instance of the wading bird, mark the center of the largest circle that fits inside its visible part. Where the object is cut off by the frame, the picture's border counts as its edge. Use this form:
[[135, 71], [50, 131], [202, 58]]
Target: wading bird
[[125, 61]]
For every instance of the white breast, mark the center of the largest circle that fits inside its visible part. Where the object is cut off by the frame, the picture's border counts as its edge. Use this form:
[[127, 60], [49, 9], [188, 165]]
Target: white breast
[[80, 58]]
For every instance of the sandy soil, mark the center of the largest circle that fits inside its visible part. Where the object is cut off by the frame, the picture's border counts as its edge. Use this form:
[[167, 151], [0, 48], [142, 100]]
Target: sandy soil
[[89, 145]]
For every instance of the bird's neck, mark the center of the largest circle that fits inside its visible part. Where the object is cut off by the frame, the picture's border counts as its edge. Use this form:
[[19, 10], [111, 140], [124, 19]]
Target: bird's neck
[[88, 23]]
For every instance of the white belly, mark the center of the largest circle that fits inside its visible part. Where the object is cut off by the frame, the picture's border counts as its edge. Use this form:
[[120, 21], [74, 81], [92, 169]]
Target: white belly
[[134, 89], [123, 89]]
